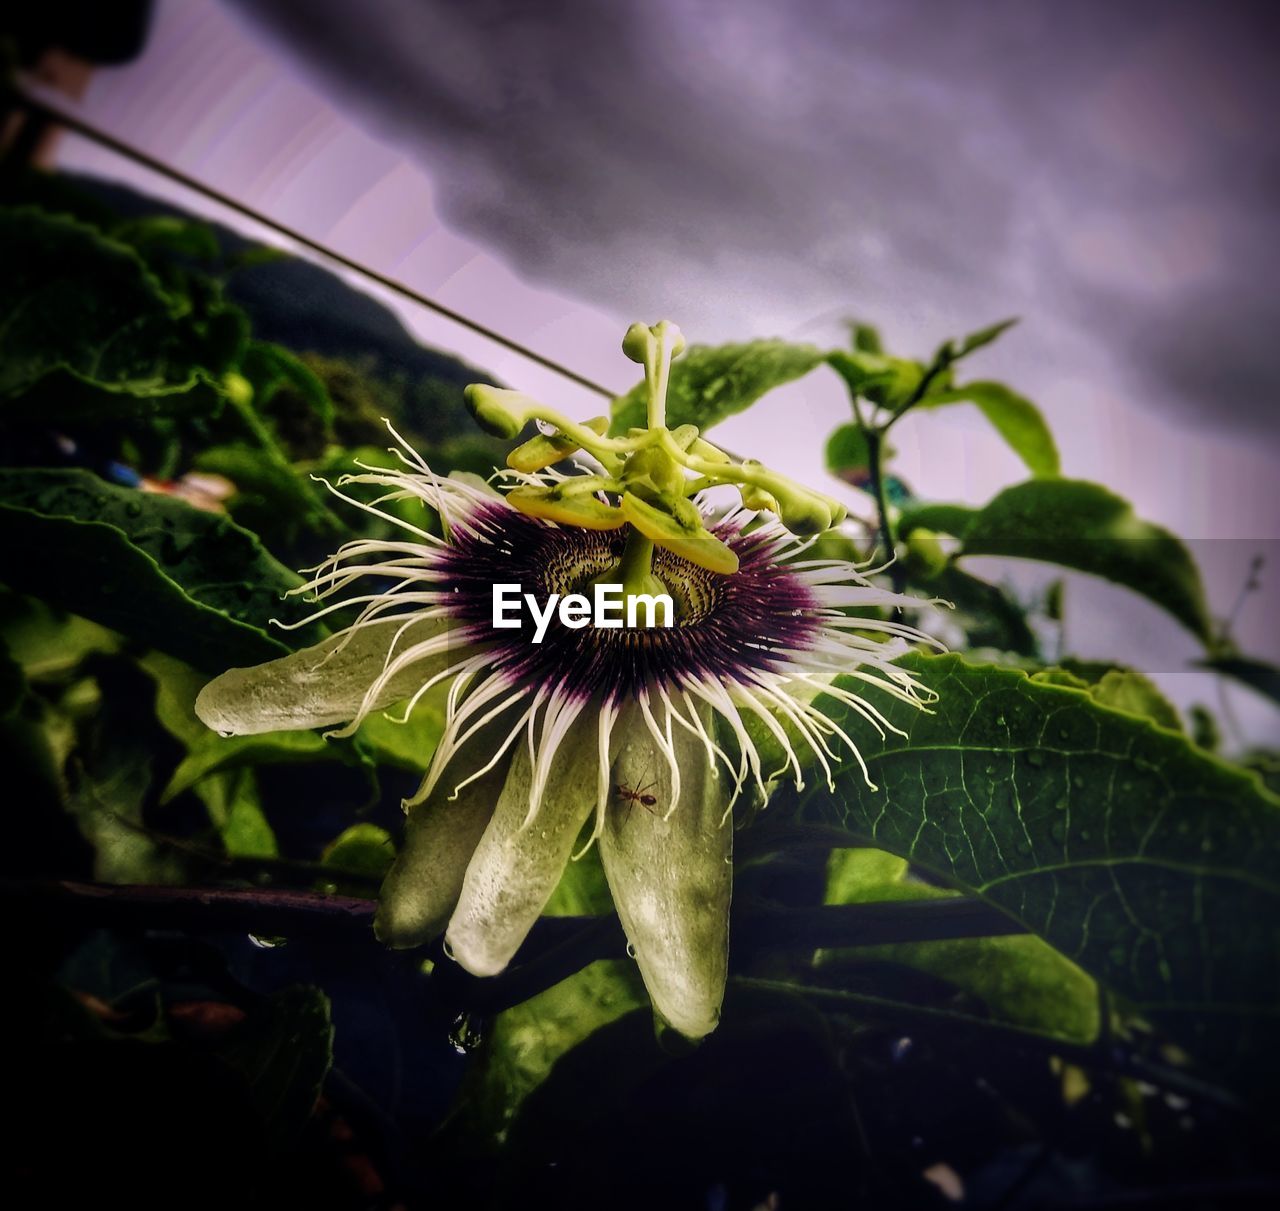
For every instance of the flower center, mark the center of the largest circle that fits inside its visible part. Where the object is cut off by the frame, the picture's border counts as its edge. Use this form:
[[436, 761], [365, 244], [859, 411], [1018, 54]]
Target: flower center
[[726, 626]]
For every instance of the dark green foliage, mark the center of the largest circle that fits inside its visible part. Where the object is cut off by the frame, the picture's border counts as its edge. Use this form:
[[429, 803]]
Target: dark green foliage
[[1149, 863], [711, 383], [190, 583], [1100, 1054], [1083, 526]]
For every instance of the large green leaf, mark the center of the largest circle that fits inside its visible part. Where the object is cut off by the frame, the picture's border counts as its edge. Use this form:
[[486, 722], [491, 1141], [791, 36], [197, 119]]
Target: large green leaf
[[712, 382], [1077, 525], [192, 584], [64, 397], [1021, 978], [1015, 418], [75, 302], [1147, 862]]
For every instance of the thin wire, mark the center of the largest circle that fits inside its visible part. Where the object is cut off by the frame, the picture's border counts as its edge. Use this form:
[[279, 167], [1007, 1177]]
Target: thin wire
[[129, 152]]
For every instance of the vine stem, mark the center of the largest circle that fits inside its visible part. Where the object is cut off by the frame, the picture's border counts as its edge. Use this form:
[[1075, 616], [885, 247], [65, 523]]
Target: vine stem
[[557, 947], [884, 526], [758, 924]]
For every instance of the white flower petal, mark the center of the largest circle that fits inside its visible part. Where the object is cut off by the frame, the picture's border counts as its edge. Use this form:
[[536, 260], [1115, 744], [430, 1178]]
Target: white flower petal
[[422, 887], [670, 872], [520, 858], [320, 685]]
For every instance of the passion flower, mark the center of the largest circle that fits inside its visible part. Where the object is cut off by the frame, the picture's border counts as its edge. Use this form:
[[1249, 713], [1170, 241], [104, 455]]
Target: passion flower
[[633, 738]]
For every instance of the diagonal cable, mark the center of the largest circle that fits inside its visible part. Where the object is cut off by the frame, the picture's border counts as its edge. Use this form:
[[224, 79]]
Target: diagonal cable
[[53, 113]]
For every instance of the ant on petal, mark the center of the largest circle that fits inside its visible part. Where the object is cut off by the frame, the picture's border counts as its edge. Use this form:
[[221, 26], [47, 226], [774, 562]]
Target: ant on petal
[[633, 795]]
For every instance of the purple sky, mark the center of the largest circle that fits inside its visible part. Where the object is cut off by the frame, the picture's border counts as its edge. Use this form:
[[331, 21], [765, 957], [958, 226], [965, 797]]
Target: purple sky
[[1107, 171]]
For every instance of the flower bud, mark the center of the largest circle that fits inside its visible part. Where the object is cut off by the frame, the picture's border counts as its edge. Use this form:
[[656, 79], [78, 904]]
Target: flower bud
[[498, 411], [587, 511], [641, 339], [546, 449]]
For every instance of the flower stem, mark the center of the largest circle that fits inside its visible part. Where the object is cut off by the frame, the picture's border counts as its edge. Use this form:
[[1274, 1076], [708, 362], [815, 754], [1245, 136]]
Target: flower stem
[[635, 568], [875, 471]]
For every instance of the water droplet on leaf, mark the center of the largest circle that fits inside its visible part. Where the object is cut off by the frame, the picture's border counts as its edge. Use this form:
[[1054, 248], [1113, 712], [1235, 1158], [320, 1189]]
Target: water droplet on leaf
[[465, 1034]]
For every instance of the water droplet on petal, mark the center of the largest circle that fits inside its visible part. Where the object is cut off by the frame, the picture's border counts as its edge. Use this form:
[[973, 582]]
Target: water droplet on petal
[[631, 950]]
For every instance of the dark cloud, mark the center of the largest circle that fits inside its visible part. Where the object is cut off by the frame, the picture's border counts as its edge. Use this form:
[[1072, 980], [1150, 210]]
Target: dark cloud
[[1110, 169]]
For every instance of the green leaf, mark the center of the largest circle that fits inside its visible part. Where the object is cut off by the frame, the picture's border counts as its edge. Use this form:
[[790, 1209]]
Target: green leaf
[[74, 301], [1128, 690], [210, 755], [236, 811], [847, 450], [13, 683], [1257, 674], [888, 382], [1083, 526], [984, 336], [712, 382], [1016, 419], [213, 754], [1022, 980], [408, 745], [164, 235], [47, 643], [949, 519], [990, 616], [865, 338], [65, 397], [192, 584], [363, 848], [270, 483], [269, 367], [525, 1042], [110, 776], [283, 1050], [1147, 862]]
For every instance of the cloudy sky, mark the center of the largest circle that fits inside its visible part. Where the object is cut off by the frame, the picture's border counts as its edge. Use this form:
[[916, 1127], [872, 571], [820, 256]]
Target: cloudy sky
[[1107, 171]]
